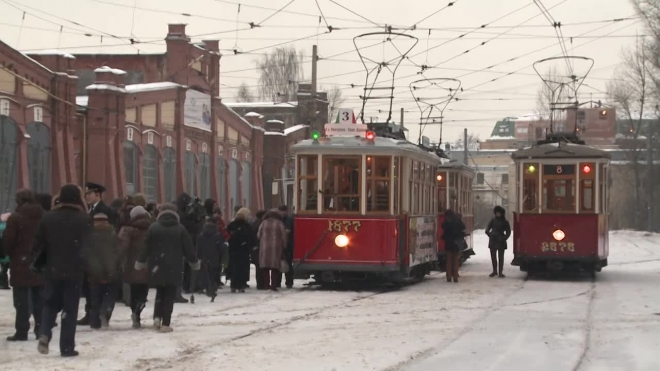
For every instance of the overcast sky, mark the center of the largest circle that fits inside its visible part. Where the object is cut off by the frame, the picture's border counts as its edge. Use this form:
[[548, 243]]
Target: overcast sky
[[521, 31]]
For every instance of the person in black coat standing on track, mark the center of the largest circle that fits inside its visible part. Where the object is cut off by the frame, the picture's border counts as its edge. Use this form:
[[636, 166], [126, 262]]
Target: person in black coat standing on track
[[453, 233], [59, 242], [242, 239], [498, 231], [95, 205]]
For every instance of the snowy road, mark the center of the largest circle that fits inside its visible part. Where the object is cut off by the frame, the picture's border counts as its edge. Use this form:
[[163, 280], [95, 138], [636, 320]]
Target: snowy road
[[481, 323]]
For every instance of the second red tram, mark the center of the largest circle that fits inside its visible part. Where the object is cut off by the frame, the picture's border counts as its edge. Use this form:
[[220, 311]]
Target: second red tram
[[364, 209], [561, 216], [455, 193]]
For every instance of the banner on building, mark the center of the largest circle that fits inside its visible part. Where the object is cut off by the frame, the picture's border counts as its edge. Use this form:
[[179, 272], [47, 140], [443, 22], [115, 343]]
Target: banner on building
[[197, 110]]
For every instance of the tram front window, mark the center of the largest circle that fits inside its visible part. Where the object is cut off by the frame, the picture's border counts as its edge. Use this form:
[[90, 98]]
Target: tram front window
[[378, 183], [559, 188], [341, 183]]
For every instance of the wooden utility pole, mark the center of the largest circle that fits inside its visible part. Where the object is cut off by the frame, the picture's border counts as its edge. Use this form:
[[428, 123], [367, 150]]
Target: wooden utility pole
[[465, 147], [313, 115], [649, 167]]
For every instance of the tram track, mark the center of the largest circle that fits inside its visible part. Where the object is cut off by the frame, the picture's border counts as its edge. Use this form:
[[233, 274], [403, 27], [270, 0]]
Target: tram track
[[588, 328], [192, 351], [488, 311]]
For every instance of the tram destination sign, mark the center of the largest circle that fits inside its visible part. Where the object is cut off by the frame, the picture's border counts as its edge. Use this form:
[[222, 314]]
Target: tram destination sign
[[345, 130], [559, 169]]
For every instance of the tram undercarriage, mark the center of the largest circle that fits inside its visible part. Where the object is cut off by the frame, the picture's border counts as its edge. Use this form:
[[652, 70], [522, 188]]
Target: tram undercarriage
[[327, 273], [553, 266]]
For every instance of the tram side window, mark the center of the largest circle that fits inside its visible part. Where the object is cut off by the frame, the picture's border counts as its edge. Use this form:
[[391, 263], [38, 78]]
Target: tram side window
[[378, 183], [414, 188], [604, 197], [341, 183], [442, 192], [530, 187], [308, 182], [559, 188]]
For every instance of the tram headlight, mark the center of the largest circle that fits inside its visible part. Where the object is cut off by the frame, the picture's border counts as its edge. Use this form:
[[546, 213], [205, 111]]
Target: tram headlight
[[341, 240], [558, 235]]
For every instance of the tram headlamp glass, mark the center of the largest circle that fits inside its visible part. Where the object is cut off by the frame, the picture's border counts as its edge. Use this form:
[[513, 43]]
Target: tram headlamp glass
[[341, 240], [558, 235], [439, 178]]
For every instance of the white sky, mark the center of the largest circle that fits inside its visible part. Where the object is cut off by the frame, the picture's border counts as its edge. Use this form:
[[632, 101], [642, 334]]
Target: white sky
[[511, 95]]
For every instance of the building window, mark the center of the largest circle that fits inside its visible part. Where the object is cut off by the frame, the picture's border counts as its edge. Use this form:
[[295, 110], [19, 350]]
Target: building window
[[190, 174], [233, 184], [247, 183], [39, 157], [169, 173], [222, 181], [130, 166], [505, 178], [8, 161], [150, 172], [204, 176], [480, 178]]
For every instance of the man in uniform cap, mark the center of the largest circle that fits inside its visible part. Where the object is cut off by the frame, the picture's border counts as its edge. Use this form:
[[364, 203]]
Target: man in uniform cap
[[95, 205]]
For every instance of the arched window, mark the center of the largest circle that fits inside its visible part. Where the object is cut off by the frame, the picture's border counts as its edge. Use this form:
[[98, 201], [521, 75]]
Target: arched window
[[190, 173], [39, 157], [150, 172], [247, 184], [233, 184], [222, 181], [204, 176], [169, 173], [130, 166], [8, 163]]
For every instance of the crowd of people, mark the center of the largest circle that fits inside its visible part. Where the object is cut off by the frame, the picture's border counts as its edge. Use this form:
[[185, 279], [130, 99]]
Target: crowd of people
[[60, 249]]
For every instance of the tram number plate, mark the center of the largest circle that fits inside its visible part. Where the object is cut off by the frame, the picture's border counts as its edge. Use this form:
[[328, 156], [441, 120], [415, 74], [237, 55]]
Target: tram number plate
[[558, 246], [344, 225]]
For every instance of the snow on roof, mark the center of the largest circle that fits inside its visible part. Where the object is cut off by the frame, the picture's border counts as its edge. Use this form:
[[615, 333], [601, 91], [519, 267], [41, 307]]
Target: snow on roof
[[501, 138], [109, 69], [261, 104], [274, 133], [253, 114], [105, 87], [275, 122], [53, 52], [241, 118], [82, 100], [530, 117], [294, 128], [37, 63], [154, 86]]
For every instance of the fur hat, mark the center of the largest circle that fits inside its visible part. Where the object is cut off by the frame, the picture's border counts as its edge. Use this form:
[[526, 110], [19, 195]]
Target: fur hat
[[167, 207], [70, 194], [137, 211], [139, 200], [242, 213]]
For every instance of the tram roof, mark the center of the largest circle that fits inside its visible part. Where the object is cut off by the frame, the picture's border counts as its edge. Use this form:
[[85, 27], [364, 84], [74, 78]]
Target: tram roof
[[455, 165], [559, 150], [359, 145]]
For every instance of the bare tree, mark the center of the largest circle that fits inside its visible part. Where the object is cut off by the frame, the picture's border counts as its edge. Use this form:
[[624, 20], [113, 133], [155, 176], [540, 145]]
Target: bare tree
[[473, 142], [335, 100], [281, 70], [244, 94], [632, 93]]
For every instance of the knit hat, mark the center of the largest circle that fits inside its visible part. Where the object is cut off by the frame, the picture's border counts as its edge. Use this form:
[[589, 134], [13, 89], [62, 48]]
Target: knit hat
[[70, 194], [137, 211], [139, 200], [100, 216]]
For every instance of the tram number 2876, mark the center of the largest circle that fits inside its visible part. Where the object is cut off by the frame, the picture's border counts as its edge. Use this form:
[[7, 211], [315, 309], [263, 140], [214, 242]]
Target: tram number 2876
[[344, 225], [558, 246]]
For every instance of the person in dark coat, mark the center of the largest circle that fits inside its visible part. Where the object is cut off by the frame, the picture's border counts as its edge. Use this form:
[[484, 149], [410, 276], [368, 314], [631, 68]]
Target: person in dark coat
[[453, 233], [45, 200], [242, 239], [166, 245], [102, 256], [498, 231], [192, 216], [132, 237], [222, 229], [210, 246], [124, 211], [95, 205], [259, 216], [4, 259], [287, 219], [18, 238], [59, 242]]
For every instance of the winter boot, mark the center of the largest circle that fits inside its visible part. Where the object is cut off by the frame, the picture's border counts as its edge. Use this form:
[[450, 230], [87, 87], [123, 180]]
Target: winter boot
[[83, 321], [42, 346], [70, 353], [492, 274], [181, 300], [105, 322], [166, 329], [136, 320], [157, 322], [17, 337]]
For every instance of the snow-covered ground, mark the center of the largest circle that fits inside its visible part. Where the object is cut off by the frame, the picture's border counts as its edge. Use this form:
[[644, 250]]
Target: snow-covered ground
[[481, 323]]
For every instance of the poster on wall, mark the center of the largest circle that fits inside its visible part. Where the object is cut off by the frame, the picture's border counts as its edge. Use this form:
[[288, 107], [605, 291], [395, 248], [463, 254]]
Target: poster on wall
[[422, 232], [197, 110]]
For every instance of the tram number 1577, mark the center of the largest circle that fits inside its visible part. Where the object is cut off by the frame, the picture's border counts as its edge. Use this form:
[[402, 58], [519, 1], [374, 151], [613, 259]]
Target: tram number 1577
[[344, 225], [558, 246]]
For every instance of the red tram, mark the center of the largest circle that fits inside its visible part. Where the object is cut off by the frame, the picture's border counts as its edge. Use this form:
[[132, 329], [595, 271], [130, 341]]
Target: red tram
[[455, 193], [365, 208], [561, 218]]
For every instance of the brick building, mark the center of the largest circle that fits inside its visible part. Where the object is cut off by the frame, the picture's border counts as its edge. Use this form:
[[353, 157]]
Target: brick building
[[37, 123]]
